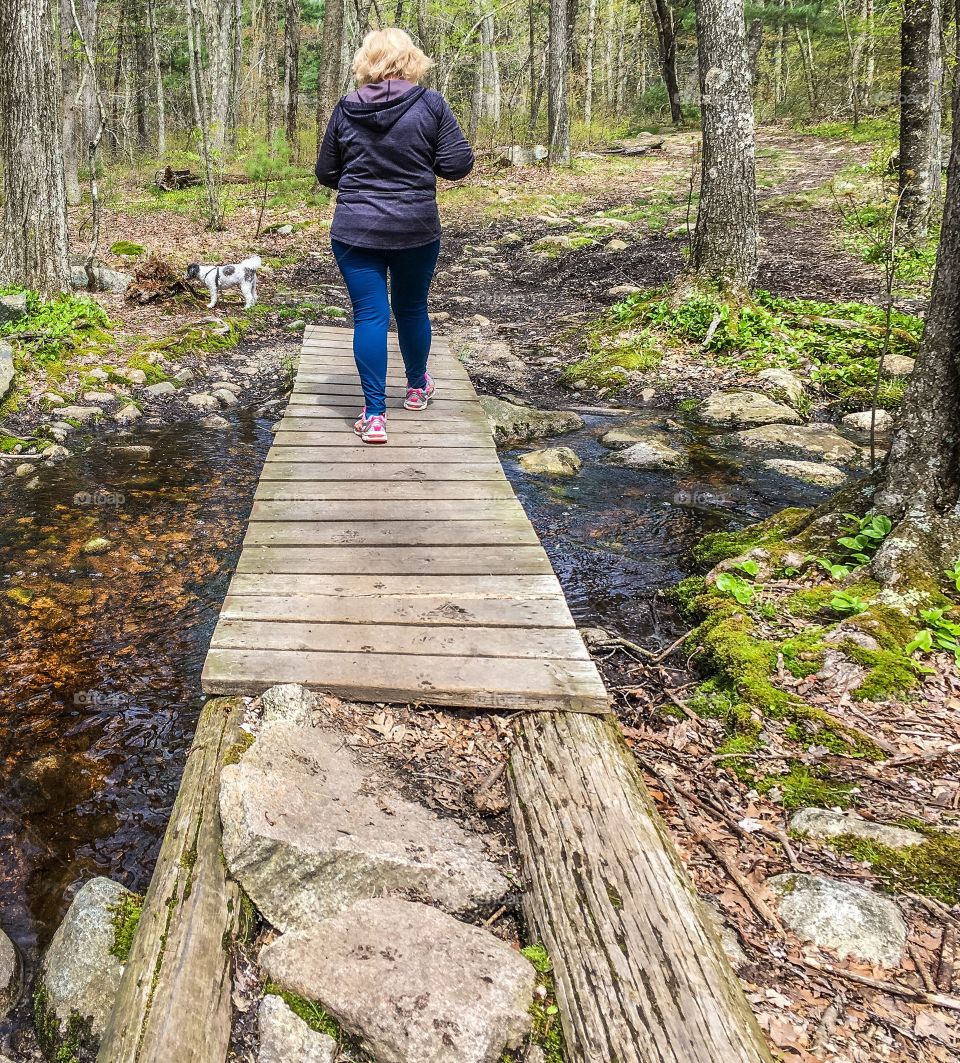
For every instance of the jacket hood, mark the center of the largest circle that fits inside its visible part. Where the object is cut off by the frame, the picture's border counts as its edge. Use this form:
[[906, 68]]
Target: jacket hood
[[381, 116]]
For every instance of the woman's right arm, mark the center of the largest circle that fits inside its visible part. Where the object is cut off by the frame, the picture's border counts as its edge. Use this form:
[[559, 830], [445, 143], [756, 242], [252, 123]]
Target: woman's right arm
[[330, 162]]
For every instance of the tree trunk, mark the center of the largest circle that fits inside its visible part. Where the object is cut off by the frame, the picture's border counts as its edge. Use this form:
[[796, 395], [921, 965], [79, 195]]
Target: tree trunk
[[665, 21], [34, 247], [557, 89], [291, 77], [591, 47], [70, 67], [271, 68], [89, 109], [922, 476], [218, 18], [158, 79], [725, 241], [198, 92], [921, 116], [328, 78]]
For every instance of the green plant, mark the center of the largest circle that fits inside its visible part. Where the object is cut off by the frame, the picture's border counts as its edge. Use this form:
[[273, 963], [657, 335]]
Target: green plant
[[939, 632], [848, 604], [953, 574], [869, 533], [736, 587]]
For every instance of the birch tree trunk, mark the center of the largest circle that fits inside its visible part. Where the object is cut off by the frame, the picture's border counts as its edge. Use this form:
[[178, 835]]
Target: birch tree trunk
[[89, 108], [70, 72], [270, 67], [725, 241], [291, 77], [921, 116], [218, 21], [591, 47], [557, 90], [33, 224], [666, 24]]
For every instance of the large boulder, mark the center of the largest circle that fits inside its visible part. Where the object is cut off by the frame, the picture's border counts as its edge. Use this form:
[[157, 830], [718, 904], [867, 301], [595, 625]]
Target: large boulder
[[552, 461], [814, 442], [739, 409], [782, 382], [6, 369], [512, 424], [840, 916], [308, 830], [826, 823], [898, 365], [105, 280], [862, 419], [13, 308], [811, 472], [10, 974], [81, 970], [411, 983], [650, 453], [286, 1038]]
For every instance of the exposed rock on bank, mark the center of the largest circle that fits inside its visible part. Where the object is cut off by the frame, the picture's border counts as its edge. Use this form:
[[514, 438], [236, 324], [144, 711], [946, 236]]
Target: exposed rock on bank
[[286, 1038], [825, 823], [739, 409], [10, 974], [512, 424], [552, 461]]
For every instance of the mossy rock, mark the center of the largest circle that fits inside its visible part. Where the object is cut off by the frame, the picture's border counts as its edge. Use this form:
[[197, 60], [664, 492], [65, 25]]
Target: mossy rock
[[127, 249]]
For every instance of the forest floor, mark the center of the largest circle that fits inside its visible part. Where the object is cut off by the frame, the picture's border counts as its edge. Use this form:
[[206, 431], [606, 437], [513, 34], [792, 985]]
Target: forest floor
[[524, 282]]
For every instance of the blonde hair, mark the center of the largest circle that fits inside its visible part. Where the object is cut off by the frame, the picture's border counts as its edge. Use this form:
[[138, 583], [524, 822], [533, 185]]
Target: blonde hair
[[389, 53]]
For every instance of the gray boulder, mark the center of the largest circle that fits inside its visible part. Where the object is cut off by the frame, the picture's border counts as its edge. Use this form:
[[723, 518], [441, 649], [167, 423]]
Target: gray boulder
[[10, 974], [288, 703], [898, 365], [80, 974], [650, 453], [861, 420], [105, 280], [308, 830], [738, 409], [840, 916], [552, 461], [512, 424], [826, 823], [156, 391], [226, 396], [816, 442], [6, 369], [127, 414], [621, 291], [628, 433], [214, 420], [203, 401], [784, 382], [411, 983], [286, 1038], [810, 472], [83, 414], [13, 308]]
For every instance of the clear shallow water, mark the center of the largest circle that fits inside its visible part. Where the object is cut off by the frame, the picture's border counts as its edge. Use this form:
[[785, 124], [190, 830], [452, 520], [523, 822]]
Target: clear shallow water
[[616, 535], [101, 655]]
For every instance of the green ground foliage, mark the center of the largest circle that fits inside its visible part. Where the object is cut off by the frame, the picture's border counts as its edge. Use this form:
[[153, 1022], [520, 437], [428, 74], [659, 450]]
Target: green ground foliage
[[312, 1014], [932, 869], [547, 1031], [836, 344], [57, 328]]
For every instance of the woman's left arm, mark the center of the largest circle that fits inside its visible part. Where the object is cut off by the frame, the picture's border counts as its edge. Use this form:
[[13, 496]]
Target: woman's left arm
[[454, 158], [330, 161]]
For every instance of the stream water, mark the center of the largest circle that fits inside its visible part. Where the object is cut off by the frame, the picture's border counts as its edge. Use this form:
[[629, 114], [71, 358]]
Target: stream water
[[102, 652]]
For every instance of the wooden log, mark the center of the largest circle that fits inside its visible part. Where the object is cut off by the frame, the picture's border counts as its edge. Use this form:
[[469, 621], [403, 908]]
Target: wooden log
[[173, 1005], [640, 976]]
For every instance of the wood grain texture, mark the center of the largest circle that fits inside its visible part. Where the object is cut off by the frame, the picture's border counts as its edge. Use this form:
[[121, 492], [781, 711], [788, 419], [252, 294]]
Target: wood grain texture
[[174, 1002], [407, 572], [640, 975]]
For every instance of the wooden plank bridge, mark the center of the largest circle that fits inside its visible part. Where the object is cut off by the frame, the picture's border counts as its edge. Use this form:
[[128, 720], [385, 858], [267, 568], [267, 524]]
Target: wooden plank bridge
[[405, 573]]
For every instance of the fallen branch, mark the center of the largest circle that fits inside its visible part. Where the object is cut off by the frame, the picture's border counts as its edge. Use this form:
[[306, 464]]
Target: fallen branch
[[895, 989]]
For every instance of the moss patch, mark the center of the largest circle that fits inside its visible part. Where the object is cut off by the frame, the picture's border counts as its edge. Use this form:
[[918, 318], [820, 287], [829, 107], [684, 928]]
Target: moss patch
[[720, 546], [802, 786], [70, 1042], [547, 1031], [932, 869], [610, 364], [235, 753], [126, 918], [312, 1014]]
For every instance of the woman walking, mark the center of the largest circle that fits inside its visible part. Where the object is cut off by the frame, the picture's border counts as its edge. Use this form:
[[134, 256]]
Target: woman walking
[[383, 150]]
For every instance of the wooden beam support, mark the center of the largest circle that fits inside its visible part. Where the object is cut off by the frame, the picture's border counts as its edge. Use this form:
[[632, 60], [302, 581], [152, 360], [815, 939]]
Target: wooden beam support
[[640, 976]]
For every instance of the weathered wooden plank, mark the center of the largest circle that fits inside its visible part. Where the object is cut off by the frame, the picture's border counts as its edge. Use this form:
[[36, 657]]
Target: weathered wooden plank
[[398, 588], [318, 406], [407, 639], [442, 375], [403, 510], [174, 1002], [381, 490], [422, 440], [503, 684], [390, 533], [386, 455], [433, 609], [418, 564], [640, 976], [427, 472], [399, 427], [347, 387]]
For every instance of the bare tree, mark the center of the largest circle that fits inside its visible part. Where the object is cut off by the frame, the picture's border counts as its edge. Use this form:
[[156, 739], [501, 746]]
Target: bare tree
[[921, 116], [34, 245], [727, 232], [291, 76], [218, 26], [328, 76], [70, 73], [665, 21], [558, 106], [157, 77], [270, 67], [213, 177]]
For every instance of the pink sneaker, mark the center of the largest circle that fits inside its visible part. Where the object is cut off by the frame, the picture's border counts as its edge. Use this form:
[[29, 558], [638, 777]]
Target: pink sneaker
[[371, 429], [419, 398]]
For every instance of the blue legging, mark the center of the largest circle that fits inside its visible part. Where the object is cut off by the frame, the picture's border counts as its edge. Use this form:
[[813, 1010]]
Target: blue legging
[[365, 273]]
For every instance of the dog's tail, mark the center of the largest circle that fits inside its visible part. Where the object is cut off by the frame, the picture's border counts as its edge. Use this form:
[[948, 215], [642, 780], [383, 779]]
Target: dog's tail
[[254, 262]]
